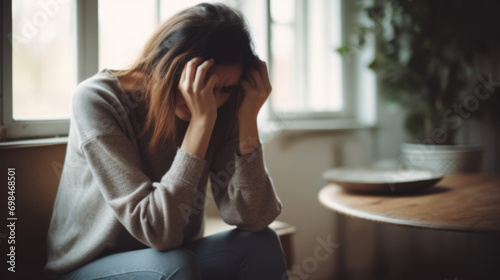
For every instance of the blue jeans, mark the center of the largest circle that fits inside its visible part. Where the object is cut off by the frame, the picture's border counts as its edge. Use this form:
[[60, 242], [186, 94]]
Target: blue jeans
[[233, 254]]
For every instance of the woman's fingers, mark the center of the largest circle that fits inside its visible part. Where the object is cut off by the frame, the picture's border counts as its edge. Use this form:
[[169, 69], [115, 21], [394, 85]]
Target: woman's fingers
[[265, 76], [193, 75], [188, 74], [201, 72], [212, 81], [191, 68], [246, 84], [259, 78], [257, 87], [255, 79], [196, 92]]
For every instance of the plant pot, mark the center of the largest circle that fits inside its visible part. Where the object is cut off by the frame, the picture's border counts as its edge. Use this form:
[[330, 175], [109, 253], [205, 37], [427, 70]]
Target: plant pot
[[443, 158]]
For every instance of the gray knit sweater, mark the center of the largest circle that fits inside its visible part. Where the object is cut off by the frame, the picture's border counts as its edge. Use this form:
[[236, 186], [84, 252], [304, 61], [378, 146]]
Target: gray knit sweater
[[114, 197]]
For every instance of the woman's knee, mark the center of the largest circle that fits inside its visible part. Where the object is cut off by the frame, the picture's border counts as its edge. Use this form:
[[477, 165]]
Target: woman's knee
[[266, 238], [266, 235], [269, 234]]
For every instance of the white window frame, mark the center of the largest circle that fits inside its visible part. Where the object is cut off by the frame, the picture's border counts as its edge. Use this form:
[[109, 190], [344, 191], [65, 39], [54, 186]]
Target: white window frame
[[358, 108]]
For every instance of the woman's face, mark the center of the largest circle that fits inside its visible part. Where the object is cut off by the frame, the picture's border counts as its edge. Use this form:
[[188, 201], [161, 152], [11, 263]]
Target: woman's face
[[229, 77]]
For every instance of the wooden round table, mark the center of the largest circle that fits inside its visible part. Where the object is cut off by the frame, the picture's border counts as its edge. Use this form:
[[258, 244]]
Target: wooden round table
[[459, 202]]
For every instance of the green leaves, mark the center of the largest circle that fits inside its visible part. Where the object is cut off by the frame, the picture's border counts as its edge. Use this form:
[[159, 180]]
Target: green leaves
[[424, 52]]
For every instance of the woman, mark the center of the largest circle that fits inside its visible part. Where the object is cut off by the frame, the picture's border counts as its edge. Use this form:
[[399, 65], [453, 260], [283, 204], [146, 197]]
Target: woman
[[144, 142]]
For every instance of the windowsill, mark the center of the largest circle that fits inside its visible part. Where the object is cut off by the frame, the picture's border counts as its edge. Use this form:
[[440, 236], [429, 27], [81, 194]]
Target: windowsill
[[298, 128], [315, 125], [320, 125], [33, 142]]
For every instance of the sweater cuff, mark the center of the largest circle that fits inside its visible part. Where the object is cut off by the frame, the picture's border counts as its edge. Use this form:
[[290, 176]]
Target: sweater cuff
[[249, 168], [186, 169]]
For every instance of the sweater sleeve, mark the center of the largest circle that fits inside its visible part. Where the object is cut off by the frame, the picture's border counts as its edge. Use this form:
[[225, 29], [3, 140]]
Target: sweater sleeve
[[150, 211], [242, 188]]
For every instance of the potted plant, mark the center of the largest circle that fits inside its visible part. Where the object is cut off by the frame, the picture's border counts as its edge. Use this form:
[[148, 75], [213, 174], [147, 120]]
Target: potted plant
[[426, 60]]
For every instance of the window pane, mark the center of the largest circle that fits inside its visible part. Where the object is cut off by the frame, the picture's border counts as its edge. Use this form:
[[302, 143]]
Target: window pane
[[124, 28], [170, 7], [42, 67], [306, 70], [283, 11], [284, 96], [325, 79]]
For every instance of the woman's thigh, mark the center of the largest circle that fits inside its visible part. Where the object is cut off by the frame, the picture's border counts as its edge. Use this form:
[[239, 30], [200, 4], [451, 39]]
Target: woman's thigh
[[233, 254], [144, 264]]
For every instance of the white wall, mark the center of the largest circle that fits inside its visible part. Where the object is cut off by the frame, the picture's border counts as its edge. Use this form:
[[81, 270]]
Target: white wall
[[296, 164]]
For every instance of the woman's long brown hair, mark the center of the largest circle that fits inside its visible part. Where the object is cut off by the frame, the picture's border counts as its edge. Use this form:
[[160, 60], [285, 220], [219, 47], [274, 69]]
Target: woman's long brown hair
[[205, 30]]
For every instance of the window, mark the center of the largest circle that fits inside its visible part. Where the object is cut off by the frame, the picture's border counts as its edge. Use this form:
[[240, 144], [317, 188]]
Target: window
[[41, 57], [36, 49], [306, 70], [313, 86], [49, 47]]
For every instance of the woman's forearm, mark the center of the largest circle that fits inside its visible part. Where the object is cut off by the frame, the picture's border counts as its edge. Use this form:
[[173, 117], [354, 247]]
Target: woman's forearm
[[249, 135], [197, 137]]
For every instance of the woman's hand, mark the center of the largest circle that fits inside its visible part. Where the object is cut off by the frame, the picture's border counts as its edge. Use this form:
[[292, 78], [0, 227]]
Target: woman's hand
[[257, 87], [199, 97], [198, 93]]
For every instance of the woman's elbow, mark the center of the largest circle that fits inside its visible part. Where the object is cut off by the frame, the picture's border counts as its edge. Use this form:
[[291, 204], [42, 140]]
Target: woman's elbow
[[260, 222]]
